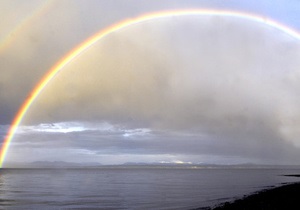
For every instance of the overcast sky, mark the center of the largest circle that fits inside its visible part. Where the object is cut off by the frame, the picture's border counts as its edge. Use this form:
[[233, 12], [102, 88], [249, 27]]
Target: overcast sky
[[200, 89]]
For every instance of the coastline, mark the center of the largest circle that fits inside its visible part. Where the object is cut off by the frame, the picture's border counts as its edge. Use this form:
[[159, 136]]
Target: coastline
[[282, 197]]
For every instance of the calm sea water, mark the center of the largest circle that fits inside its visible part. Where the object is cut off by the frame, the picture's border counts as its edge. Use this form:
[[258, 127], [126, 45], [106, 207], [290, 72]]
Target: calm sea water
[[131, 188]]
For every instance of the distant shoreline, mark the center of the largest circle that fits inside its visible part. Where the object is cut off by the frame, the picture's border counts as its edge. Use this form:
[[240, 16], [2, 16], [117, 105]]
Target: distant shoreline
[[282, 197], [135, 165]]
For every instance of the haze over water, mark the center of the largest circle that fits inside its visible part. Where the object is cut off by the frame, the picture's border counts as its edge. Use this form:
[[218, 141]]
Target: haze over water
[[128, 188]]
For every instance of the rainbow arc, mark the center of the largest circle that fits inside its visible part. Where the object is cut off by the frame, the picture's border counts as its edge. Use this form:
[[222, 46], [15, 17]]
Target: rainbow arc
[[77, 51]]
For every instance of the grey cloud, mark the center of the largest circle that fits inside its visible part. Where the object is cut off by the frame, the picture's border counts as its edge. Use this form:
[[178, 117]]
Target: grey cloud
[[3, 130], [230, 94], [179, 88], [191, 147], [162, 83]]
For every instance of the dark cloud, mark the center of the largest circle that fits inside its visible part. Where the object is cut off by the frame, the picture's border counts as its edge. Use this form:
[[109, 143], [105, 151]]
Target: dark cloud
[[93, 141]]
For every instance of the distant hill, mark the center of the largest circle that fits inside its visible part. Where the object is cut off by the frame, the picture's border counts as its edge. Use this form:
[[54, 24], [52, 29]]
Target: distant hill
[[51, 164], [62, 164]]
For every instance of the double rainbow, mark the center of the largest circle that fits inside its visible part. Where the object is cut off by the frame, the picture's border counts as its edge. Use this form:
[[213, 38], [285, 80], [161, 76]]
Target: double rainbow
[[76, 52]]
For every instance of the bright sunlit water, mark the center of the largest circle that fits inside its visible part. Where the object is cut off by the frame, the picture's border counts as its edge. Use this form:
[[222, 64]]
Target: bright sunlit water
[[121, 188]]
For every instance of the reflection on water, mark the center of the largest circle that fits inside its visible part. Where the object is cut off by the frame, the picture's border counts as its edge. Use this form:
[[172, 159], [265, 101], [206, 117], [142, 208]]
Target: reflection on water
[[5, 201], [131, 188]]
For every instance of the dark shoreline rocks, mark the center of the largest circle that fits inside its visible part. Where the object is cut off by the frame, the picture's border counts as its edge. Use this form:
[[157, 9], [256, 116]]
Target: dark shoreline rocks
[[286, 197]]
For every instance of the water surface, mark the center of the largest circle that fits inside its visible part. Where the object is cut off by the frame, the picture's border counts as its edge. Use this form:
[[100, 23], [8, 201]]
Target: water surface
[[127, 188]]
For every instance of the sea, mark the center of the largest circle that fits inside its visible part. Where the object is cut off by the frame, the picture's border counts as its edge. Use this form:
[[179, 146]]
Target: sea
[[133, 188]]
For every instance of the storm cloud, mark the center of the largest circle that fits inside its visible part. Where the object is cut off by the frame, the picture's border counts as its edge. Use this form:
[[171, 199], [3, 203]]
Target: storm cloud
[[201, 89]]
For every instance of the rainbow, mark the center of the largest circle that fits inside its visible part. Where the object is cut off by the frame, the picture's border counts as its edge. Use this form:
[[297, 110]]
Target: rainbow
[[77, 51]]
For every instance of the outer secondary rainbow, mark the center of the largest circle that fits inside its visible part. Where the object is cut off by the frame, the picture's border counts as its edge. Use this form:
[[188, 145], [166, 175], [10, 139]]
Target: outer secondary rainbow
[[24, 24], [118, 26]]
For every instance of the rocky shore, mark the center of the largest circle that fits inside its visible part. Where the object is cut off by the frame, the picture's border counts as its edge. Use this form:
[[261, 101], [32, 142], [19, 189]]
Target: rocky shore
[[286, 197]]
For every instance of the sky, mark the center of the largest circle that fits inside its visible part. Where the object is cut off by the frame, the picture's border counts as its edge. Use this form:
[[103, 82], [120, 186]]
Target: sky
[[186, 89]]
